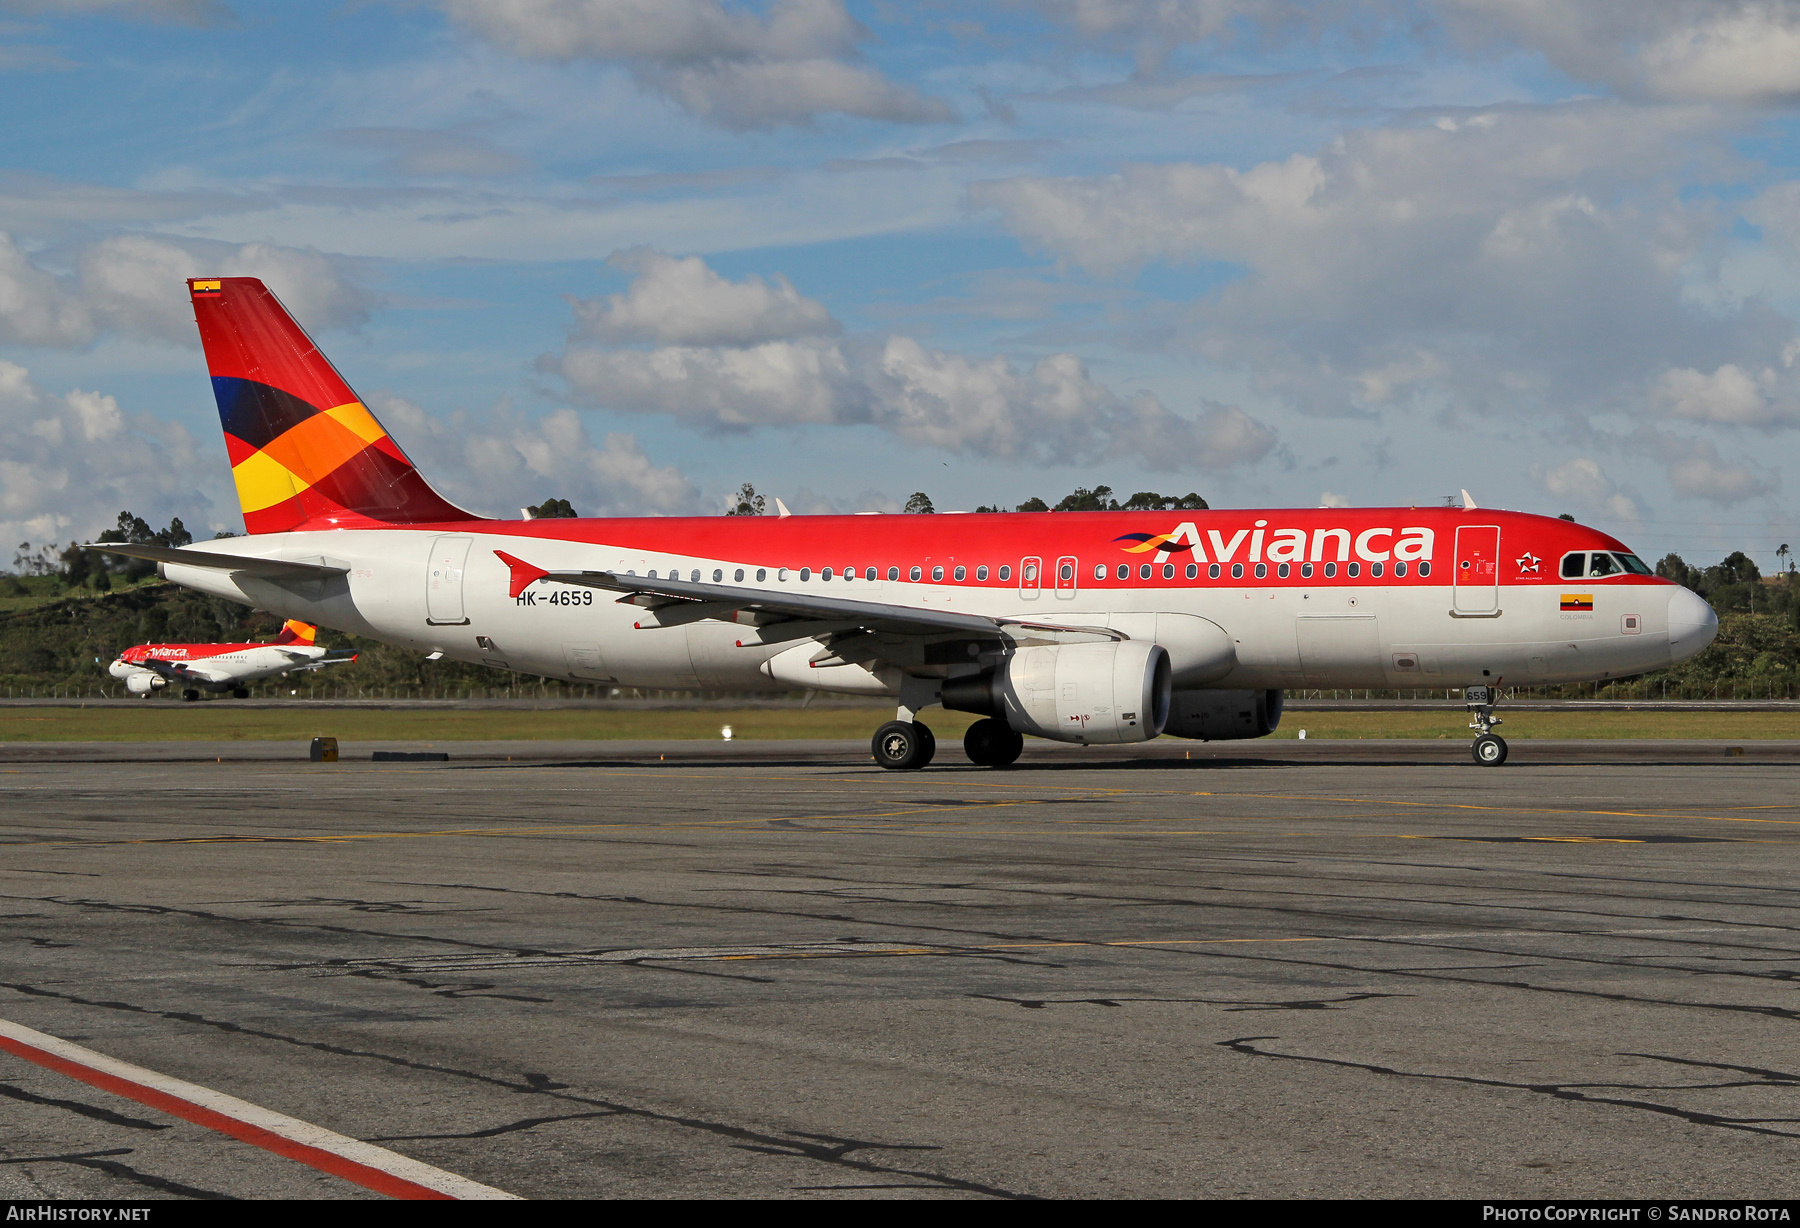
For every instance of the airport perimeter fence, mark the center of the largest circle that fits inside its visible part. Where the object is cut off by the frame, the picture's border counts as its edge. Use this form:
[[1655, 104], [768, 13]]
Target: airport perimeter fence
[[1642, 689]]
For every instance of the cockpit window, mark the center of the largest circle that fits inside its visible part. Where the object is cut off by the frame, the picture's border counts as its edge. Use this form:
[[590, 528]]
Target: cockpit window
[[1583, 564]]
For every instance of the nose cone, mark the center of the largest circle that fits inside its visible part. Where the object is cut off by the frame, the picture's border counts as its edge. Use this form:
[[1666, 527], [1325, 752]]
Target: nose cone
[[1692, 625]]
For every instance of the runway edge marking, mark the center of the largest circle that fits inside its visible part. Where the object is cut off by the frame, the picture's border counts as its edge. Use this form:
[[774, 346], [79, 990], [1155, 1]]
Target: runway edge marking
[[374, 1168]]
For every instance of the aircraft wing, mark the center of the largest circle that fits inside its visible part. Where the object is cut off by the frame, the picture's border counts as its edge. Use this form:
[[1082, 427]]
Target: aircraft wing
[[271, 569], [181, 671], [787, 615]]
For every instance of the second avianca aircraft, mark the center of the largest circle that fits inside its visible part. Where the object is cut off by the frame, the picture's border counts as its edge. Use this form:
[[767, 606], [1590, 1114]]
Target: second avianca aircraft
[[222, 667], [1101, 627]]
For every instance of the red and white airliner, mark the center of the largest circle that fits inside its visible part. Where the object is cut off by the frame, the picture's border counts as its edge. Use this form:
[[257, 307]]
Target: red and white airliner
[[1102, 627], [222, 667]]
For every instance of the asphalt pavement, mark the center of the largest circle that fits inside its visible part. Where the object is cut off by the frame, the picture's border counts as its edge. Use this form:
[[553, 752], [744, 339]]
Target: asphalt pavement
[[773, 970]]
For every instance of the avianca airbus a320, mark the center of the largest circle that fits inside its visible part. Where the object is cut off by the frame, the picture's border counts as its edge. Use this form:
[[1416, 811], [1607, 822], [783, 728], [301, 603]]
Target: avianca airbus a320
[[222, 667], [1102, 627]]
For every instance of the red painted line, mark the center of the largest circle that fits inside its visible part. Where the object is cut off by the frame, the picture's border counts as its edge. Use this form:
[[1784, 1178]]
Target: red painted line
[[189, 1109]]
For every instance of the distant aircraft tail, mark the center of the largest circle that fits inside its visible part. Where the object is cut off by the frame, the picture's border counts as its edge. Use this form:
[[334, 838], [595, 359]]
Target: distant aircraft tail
[[305, 452], [296, 632]]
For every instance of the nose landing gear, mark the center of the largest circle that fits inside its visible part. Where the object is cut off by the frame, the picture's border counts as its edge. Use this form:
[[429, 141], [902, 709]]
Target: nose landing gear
[[1489, 748]]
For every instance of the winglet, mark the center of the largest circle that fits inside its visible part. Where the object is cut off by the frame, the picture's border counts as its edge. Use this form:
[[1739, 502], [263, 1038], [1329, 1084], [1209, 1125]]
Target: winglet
[[524, 575]]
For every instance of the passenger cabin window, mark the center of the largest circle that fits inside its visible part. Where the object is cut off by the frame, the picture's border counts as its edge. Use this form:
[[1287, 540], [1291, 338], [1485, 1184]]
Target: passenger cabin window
[[1282, 571], [1168, 571], [1144, 571], [1399, 569], [914, 575], [1262, 570], [1124, 571], [869, 574], [1306, 571], [1193, 571], [981, 572], [1330, 570], [1424, 568], [694, 575], [718, 575], [826, 574], [737, 577], [805, 574], [1355, 569], [1099, 571], [1006, 573], [1237, 571], [962, 573], [1375, 569], [937, 573], [893, 573], [1212, 571], [762, 573]]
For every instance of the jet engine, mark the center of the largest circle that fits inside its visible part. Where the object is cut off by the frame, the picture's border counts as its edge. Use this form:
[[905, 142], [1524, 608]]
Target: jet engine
[[1091, 693], [145, 682], [1222, 716]]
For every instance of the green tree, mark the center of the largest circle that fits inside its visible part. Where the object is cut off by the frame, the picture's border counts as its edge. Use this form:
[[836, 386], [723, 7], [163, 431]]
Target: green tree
[[1099, 499], [1034, 504], [747, 502], [920, 504], [553, 509]]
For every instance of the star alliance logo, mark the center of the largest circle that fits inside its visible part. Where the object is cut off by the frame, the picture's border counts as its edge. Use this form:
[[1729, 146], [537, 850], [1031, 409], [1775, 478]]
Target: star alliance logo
[[1529, 563]]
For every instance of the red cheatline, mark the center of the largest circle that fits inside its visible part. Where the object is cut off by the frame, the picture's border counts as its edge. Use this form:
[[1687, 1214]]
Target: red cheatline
[[372, 1167]]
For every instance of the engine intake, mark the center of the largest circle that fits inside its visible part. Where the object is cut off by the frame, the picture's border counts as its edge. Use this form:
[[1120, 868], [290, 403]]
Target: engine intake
[[1090, 693], [1224, 716]]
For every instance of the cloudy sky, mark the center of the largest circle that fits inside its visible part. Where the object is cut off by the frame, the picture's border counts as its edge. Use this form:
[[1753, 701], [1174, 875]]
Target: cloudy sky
[[634, 253]]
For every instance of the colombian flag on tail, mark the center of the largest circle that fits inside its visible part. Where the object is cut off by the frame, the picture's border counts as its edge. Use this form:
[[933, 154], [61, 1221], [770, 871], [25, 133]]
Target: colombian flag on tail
[[305, 453]]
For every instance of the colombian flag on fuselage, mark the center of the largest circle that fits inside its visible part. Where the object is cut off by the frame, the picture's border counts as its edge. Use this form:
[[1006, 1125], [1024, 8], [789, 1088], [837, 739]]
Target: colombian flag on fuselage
[[1578, 601], [305, 452]]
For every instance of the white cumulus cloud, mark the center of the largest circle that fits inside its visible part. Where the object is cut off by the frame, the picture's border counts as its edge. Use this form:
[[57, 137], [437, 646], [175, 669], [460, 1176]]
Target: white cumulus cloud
[[70, 463], [504, 460], [733, 66], [683, 302], [766, 366], [135, 285]]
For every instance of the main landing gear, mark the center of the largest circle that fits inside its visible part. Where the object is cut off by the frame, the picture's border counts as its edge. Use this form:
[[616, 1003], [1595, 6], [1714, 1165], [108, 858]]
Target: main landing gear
[[992, 743], [1489, 748], [190, 695], [902, 745]]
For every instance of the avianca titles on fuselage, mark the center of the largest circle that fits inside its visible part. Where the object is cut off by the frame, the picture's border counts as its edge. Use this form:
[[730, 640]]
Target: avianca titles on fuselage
[[221, 667], [1084, 627]]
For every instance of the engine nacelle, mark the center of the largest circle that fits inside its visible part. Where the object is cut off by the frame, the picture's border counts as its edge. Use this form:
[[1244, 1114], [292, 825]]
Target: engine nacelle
[[145, 682], [1091, 693], [1222, 716]]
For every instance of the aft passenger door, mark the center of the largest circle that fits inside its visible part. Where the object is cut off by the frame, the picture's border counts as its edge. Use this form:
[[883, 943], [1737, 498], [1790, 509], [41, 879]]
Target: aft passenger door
[[1475, 590], [444, 582]]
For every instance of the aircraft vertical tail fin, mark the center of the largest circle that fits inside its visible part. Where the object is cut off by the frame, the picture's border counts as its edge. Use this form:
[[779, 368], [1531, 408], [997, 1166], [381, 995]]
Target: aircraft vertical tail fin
[[305, 452], [296, 632]]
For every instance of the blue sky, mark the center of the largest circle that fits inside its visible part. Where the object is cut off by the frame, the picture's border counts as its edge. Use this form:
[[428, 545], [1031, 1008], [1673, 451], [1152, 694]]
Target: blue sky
[[636, 253]]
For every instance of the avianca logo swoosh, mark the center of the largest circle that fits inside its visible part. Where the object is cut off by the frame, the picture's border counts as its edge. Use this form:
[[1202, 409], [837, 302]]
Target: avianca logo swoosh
[[1146, 542]]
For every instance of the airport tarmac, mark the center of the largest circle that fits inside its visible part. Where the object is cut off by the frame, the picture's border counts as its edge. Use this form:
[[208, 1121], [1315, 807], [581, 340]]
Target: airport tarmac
[[773, 970]]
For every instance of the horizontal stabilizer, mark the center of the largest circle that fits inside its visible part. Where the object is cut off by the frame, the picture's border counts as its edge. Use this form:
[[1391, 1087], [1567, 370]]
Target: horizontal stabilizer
[[268, 569]]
